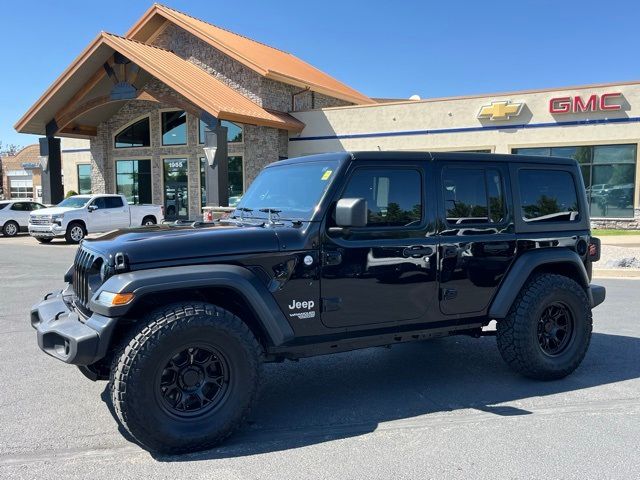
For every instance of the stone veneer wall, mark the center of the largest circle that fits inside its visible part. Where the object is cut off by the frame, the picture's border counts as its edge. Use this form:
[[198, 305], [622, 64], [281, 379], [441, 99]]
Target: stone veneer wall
[[622, 224]]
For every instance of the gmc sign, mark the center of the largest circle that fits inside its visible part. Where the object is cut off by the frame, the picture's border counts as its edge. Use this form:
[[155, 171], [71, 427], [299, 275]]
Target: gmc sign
[[595, 103]]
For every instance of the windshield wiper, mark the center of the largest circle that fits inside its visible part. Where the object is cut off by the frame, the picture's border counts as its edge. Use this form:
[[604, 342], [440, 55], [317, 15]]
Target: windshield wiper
[[270, 212], [244, 210]]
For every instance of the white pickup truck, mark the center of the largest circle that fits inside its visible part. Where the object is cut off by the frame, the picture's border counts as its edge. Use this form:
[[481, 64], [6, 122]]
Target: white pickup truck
[[76, 216]]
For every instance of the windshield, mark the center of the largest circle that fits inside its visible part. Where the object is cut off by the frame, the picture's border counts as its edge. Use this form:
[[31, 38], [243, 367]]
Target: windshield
[[294, 191], [74, 202]]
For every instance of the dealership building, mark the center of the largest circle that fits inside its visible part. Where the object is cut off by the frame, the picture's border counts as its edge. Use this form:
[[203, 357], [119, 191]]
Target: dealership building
[[183, 113]]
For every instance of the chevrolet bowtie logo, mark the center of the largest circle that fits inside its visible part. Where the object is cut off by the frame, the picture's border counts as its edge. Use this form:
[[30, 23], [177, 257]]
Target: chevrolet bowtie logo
[[500, 110]]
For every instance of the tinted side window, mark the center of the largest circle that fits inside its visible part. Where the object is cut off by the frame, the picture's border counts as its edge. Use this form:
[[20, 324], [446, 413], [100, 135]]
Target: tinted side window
[[100, 203], [394, 196], [37, 206], [548, 196], [113, 202], [473, 195], [21, 207]]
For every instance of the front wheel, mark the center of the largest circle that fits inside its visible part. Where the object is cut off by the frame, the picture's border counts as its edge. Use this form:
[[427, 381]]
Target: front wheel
[[75, 233], [10, 229], [548, 329], [187, 379]]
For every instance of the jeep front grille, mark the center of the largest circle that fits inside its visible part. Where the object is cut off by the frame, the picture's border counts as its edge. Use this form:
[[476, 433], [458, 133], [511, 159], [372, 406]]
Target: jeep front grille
[[84, 267]]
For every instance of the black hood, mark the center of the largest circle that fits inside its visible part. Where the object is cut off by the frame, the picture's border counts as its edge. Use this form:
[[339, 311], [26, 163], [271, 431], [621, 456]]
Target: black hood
[[160, 243]]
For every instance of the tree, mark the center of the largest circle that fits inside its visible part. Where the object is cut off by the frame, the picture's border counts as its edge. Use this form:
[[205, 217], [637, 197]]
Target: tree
[[9, 148]]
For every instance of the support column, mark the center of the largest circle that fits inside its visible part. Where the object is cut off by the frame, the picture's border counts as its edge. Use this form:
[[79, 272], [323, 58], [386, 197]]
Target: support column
[[52, 189], [217, 174]]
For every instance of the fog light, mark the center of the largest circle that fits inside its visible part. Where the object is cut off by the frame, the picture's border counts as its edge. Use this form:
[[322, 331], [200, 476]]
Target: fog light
[[111, 299]]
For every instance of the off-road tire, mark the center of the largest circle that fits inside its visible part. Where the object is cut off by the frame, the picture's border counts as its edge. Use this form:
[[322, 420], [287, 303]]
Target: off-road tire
[[149, 220], [517, 334], [10, 229], [138, 368], [69, 235], [43, 239]]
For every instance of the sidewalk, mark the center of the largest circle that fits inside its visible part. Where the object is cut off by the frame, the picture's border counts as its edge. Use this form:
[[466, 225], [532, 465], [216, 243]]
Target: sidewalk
[[619, 240]]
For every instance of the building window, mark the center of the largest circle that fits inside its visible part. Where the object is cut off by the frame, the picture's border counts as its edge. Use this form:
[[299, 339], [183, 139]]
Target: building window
[[135, 135], [203, 181], [234, 132], [133, 180], [84, 178], [236, 180], [394, 196], [608, 172], [174, 128]]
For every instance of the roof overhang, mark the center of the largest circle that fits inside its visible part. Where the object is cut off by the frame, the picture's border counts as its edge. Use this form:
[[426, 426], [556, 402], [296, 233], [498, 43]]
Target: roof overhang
[[156, 17], [82, 96]]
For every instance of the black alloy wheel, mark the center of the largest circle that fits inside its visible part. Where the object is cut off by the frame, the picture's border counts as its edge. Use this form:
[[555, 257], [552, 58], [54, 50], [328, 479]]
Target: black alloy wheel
[[555, 329], [194, 381]]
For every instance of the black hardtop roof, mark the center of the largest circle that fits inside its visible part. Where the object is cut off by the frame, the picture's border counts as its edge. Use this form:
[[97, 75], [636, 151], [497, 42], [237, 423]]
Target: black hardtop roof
[[431, 156]]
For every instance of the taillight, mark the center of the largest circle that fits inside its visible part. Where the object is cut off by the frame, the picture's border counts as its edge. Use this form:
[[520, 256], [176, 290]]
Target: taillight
[[594, 249]]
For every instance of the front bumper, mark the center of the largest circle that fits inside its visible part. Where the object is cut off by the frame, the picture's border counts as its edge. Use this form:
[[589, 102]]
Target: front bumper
[[46, 231], [63, 334]]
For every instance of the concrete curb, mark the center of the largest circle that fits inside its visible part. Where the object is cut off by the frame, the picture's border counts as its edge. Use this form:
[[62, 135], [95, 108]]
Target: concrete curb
[[616, 273]]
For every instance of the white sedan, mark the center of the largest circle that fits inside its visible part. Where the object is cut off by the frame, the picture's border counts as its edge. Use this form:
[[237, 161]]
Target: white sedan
[[14, 215]]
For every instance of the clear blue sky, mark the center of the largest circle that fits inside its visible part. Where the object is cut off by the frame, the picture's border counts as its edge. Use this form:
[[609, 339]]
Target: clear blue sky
[[384, 49]]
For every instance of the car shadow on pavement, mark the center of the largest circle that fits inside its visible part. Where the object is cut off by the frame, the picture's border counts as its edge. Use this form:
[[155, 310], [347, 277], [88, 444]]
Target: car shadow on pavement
[[344, 395]]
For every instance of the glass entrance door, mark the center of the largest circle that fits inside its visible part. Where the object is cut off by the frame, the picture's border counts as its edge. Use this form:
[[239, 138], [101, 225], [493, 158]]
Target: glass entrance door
[[176, 189]]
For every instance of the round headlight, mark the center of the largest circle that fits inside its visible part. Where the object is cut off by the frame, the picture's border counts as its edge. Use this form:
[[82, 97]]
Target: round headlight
[[104, 271]]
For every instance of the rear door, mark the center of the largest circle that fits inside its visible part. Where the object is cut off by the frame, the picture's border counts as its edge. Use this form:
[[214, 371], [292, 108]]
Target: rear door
[[118, 212], [477, 239], [20, 213]]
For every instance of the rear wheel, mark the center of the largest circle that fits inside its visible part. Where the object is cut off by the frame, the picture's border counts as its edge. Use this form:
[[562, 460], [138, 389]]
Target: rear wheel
[[149, 220], [10, 229], [75, 232], [187, 379], [548, 329]]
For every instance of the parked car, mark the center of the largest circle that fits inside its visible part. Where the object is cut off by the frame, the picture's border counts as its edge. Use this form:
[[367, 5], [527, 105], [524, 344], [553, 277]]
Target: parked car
[[76, 216], [14, 215], [325, 254]]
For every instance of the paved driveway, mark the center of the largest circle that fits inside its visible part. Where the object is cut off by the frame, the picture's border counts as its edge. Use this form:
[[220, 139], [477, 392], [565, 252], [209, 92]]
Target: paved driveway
[[444, 408]]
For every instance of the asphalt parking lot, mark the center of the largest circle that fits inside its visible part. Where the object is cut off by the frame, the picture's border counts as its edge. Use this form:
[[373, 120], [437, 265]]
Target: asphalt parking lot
[[445, 408]]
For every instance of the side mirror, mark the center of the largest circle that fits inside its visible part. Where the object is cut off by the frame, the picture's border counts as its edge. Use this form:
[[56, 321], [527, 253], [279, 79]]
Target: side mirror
[[92, 208], [351, 212]]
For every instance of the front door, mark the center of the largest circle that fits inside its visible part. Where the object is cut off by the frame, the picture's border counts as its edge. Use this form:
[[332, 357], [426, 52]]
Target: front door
[[477, 238], [99, 219], [385, 273], [176, 189]]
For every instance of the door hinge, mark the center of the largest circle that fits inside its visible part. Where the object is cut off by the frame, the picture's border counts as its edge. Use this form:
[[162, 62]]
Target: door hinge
[[332, 258], [448, 293], [331, 304]]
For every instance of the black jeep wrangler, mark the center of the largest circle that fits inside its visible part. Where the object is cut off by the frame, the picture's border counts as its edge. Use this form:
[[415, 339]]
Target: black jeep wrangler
[[325, 254]]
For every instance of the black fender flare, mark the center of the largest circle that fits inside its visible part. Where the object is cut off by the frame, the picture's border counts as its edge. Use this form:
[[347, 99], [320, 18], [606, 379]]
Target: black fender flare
[[242, 280], [522, 269]]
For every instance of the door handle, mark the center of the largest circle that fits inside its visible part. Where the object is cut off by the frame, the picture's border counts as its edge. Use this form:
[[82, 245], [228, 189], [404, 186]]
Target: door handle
[[417, 251]]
